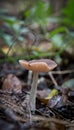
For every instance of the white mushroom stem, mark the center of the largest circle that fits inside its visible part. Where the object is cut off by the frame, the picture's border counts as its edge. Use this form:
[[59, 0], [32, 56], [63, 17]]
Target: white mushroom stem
[[33, 91]]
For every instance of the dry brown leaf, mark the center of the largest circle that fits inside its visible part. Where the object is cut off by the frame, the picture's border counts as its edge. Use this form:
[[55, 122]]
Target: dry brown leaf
[[12, 84]]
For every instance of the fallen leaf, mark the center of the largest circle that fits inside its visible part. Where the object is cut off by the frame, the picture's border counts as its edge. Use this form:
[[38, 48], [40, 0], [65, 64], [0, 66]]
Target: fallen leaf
[[52, 93], [12, 84]]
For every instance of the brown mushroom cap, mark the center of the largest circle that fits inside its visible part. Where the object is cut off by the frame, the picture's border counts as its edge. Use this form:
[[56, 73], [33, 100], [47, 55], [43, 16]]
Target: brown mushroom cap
[[41, 65]]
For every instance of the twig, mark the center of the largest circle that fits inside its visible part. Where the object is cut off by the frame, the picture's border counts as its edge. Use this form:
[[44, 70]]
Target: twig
[[62, 90], [53, 79], [63, 72], [58, 121], [55, 83]]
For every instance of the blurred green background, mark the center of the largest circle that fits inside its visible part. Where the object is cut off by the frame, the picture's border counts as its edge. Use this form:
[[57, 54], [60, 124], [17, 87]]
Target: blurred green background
[[36, 29]]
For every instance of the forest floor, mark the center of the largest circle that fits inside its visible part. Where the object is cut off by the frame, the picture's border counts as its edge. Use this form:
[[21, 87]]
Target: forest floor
[[54, 100]]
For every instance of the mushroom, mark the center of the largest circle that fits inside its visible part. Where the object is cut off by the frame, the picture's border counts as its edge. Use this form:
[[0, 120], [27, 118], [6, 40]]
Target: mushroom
[[40, 65]]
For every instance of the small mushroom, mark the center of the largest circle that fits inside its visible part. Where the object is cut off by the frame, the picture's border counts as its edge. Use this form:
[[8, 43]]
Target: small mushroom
[[41, 65]]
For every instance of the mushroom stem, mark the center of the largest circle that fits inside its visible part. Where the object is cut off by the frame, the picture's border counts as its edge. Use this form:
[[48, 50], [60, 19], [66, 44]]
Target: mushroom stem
[[33, 91]]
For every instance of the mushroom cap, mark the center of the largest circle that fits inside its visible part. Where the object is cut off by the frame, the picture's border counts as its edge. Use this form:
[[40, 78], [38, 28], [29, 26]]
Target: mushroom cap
[[41, 65]]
